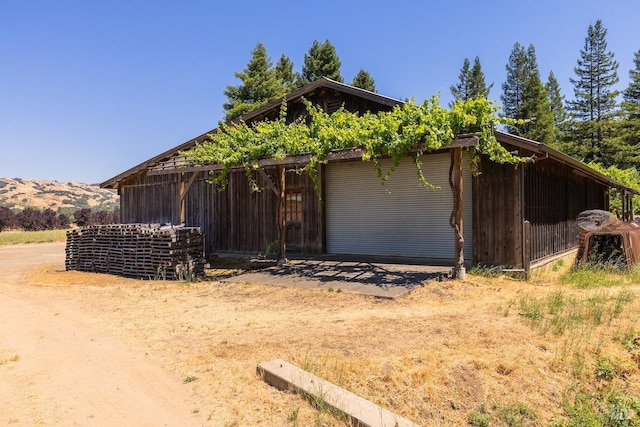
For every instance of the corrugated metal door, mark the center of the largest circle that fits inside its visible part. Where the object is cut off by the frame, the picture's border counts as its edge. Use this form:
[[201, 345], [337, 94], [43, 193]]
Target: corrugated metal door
[[401, 218]]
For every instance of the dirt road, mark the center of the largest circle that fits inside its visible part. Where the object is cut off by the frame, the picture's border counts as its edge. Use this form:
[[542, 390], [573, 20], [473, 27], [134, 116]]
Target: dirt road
[[58, 367], [99, 350]]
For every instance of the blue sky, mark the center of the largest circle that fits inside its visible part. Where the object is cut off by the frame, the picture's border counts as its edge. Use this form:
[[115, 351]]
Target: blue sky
[[89, 89]]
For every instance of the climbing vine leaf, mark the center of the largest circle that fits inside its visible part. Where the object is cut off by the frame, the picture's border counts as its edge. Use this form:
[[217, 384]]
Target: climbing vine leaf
[[410, 129]]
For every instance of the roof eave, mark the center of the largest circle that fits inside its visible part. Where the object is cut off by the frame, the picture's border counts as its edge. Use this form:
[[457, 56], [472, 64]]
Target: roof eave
[[292, 96], [547, 151]]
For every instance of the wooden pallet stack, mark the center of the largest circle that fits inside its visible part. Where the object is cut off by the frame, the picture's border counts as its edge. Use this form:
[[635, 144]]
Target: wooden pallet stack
[[144, 251]]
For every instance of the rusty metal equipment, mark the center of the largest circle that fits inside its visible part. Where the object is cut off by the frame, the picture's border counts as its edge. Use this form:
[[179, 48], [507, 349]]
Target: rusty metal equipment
[[606, 241]]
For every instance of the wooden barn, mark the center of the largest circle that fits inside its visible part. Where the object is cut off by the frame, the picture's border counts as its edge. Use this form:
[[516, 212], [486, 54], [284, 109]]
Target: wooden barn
[[513, 216]]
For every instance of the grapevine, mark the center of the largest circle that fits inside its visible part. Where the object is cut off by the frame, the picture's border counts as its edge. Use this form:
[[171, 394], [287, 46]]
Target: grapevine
[[410, 129]]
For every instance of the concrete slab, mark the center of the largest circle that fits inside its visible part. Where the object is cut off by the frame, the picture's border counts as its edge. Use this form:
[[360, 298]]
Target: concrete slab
[[360, 412], [374, 279]]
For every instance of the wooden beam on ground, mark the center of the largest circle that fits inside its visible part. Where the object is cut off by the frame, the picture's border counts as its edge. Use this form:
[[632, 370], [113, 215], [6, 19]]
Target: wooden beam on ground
[[361, 412]]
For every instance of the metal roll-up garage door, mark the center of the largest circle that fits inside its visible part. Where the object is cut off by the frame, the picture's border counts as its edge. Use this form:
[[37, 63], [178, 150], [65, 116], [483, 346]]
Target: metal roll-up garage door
[[401, 218]]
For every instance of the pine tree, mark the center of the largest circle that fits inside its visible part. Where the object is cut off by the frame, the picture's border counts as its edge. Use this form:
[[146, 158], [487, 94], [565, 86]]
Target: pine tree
[[477, 86], [285, 73], [536, 104], [513, 88], [594, 108], [363, 80], [628, 129], [525, 97], [471, 83], [460, 91], [556, 103], [321, 61], [259, 85], [631, 95]]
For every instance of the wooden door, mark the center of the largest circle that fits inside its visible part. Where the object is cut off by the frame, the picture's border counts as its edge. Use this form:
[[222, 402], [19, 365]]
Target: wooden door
[[293, 216]]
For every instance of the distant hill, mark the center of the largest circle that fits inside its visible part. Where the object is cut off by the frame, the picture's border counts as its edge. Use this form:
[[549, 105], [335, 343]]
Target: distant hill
[[62, 197]]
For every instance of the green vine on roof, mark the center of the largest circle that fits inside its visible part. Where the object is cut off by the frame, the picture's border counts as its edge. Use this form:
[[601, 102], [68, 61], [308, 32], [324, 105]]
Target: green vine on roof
[[409, 129]]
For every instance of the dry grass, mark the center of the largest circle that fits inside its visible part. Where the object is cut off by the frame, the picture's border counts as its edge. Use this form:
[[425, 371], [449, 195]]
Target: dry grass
[[445, 355], [23, 237]]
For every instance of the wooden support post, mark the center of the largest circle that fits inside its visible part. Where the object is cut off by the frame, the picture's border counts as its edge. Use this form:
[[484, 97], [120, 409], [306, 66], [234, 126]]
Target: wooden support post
[[181, 200], [282, 220], [268, 180], [458, 226], [183, 189], [526, 248]]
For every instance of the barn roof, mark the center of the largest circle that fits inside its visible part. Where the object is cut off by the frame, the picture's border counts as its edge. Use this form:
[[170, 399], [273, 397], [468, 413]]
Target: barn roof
[[295, 96], [542, 151]]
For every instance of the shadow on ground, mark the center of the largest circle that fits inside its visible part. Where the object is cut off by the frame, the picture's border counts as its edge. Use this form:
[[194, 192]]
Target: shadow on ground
[[375, 279]]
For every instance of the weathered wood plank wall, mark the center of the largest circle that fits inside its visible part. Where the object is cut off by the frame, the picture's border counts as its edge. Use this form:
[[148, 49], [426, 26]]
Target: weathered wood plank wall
[[546, 193], [497, 221], [234, 220], [150, 199], [554, 196]]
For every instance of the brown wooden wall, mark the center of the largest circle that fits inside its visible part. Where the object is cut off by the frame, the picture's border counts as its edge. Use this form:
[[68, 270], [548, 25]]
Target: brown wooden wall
[[149, 199], [237, 219], [553, 197], [234, 220], [330, 101], [497, 219], [546, 193]]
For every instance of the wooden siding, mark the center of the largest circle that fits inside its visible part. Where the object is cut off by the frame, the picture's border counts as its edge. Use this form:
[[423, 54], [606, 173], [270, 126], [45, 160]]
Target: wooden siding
[[546, 193], [553, 197], [330, 101], [149, 199], [497, 217], [237, 219], [234, 220]]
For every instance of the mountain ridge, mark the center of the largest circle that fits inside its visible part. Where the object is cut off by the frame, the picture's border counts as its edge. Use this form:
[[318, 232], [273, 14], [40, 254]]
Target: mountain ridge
[[62, 197]]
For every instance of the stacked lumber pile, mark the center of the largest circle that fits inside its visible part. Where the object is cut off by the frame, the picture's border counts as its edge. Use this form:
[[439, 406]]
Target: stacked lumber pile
[[144, 251]]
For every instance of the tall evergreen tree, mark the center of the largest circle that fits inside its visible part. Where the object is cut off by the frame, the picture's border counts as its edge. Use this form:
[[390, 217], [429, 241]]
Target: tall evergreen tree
[[594, 108], [477, 87], [471, 84], [536, 104], [321, 61], [556, 103], [525, 97], [460, 91], [259, 85], [628, 129], [285, 74], [513, 88], [631, 95], [363, 80]]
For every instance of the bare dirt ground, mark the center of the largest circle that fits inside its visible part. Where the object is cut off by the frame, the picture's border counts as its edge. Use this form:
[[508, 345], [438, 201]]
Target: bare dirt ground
[[87, 349], [60, 368]]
